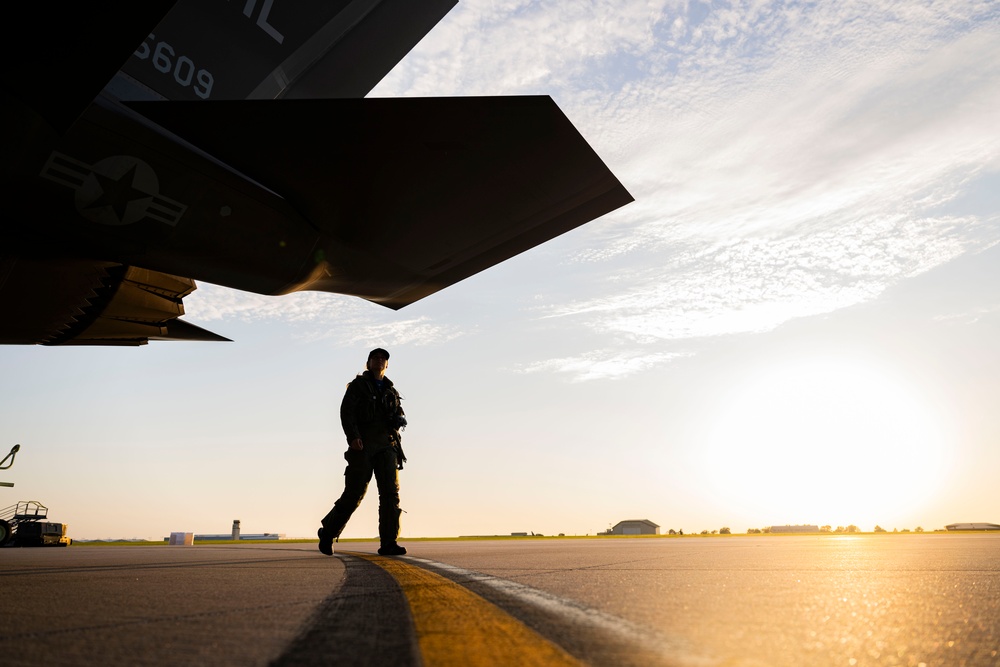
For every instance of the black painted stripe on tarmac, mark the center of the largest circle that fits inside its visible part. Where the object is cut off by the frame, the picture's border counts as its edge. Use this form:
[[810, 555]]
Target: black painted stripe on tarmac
[[457, 628], [365, 621]]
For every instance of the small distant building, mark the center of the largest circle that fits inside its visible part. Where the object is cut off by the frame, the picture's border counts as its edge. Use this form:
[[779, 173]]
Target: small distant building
[[973, 526], [231, 537], [795, 529], [634, 527]]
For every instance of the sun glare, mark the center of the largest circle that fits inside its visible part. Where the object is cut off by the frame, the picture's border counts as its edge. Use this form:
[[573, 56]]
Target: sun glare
[[826, 442]]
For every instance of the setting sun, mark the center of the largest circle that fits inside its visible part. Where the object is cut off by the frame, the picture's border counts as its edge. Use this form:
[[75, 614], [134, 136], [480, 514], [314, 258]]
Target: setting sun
[[829, 441]]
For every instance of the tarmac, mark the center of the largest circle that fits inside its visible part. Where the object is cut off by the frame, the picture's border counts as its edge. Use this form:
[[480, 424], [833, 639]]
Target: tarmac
[[169, 605], [737, 601]]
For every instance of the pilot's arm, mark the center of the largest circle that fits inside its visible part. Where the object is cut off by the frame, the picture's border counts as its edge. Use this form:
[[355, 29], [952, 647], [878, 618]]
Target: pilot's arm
[[349, 418]]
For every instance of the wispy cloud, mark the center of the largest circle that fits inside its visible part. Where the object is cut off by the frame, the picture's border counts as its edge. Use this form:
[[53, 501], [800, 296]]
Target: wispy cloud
[[322, 316], [971, 316], [600, 364], [748, 284]]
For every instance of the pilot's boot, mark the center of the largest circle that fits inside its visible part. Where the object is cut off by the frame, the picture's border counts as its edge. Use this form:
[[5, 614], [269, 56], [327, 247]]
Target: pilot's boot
[[333, 523], [325, 541]]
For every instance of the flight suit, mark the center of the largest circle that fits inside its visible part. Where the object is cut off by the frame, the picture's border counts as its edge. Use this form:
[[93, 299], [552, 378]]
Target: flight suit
[[372, 415]]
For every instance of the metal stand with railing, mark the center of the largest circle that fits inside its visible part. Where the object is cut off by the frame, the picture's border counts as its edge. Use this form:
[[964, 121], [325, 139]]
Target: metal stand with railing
[[24, 523]]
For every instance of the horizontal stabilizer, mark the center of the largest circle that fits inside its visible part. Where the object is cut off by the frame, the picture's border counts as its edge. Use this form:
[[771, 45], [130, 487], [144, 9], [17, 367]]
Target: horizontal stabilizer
[[409, 195]]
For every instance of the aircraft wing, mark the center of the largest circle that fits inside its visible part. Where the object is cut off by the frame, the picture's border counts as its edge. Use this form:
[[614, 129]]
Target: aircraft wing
[[201, 160]]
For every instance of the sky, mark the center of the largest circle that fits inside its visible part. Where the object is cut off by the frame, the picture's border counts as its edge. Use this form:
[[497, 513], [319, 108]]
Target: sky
[[794, 323]]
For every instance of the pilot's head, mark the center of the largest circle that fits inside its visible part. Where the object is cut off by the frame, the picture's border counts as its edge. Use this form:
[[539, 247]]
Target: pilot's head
[[378, 361]]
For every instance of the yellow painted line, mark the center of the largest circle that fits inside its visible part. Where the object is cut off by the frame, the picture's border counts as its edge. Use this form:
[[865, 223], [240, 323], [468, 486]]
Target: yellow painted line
[[457, 627]]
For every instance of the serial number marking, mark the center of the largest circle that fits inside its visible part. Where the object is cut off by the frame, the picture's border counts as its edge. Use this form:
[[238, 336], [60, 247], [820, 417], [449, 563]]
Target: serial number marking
[[181, 68]]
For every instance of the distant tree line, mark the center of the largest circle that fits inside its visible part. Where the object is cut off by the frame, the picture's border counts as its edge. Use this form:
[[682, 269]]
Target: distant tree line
[[721, 531], [839, 529], [725, 530]]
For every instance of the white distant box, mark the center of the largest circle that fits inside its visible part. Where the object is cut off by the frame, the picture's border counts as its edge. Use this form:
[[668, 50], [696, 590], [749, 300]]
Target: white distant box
[[186, 539]]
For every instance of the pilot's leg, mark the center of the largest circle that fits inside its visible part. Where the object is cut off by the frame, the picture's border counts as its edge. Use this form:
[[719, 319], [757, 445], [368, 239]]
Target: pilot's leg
[[387, 479], [356, 478]]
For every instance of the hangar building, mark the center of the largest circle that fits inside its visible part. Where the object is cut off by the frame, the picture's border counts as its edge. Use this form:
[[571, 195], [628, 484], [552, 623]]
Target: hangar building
[[634, 527]]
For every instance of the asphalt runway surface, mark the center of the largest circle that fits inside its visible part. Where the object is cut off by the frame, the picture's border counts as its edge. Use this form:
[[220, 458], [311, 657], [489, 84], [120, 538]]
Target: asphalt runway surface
[[930, 599]]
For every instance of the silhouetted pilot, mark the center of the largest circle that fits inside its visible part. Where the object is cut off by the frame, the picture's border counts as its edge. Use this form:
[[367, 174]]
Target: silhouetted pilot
[[371, 415]]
